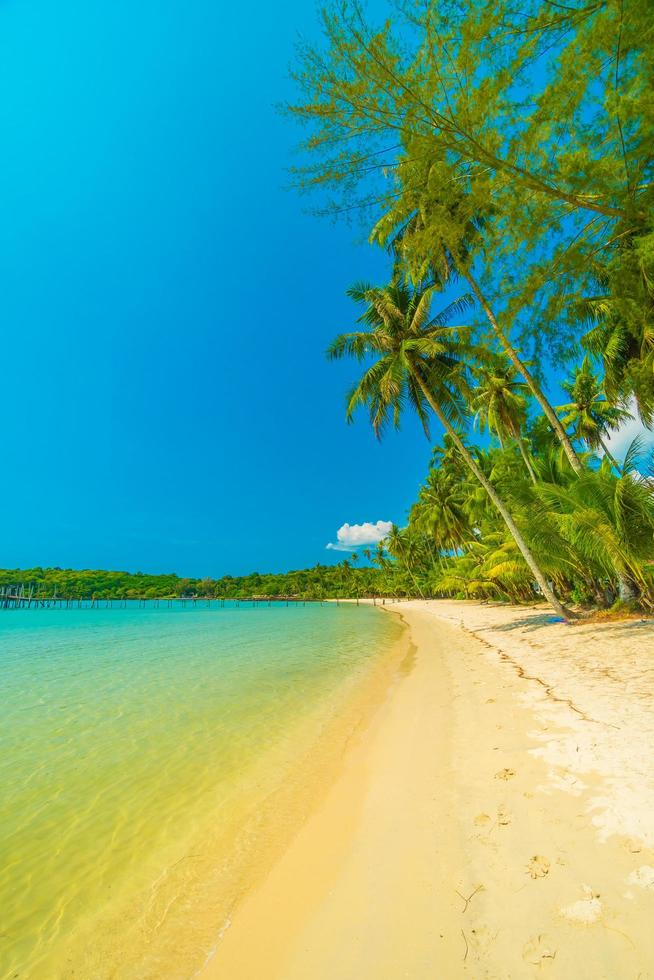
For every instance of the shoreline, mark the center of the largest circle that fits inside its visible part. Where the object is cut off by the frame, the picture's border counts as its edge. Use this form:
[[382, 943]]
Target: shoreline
[[161, 916], [493, 818]]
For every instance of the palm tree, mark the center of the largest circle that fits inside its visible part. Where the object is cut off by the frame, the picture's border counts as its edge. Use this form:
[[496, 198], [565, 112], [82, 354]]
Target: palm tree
[[367, 554], [440, 511], [345, 574], [609, 521], [588, 413], [354, 559], [437, 237], [380, 560], [417, 361], [500, 404], [620, 319], [399, 545]]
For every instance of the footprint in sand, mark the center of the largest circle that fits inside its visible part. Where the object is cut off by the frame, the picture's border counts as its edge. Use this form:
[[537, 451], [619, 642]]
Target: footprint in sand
[[482, 820], [505, 774], [538, 867], [584, 912], [503, 816], [643, 877], [481, 939], [538, 950]]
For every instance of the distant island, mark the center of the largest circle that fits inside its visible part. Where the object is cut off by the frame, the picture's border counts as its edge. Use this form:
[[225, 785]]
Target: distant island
[[320, 582]]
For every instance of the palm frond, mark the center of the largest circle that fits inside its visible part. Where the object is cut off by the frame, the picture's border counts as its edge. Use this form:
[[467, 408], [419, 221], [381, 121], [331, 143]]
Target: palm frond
[[457, 307]]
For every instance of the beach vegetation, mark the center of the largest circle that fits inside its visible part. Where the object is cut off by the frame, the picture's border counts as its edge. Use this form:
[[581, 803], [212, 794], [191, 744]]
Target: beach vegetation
[[504, 158], [417, 360], [320, 582]]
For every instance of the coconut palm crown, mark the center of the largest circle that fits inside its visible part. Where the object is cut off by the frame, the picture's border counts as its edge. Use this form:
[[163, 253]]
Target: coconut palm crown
[[499, 401], [416, 360], [407, 343], [590, 416]]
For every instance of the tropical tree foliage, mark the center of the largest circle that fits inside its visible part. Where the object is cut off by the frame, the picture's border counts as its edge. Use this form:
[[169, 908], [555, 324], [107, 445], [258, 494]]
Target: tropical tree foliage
[[533, 122], [503, 155], [505, 152], [592, 535], [589, 413], [418, 361], [320, 582]]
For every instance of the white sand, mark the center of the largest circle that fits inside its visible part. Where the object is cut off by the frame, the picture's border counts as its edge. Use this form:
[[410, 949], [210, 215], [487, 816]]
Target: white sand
[[494, 818]]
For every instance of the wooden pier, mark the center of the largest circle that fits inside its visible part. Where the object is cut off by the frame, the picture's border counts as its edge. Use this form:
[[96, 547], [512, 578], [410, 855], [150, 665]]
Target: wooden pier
[[23, 597]]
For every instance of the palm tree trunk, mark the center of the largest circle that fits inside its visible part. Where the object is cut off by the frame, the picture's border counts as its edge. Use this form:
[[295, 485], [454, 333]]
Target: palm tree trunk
[[525, 459], [522, 369], [434, 553], [609, 454], [407, 565], [534, 387], [470, 461], [626, 588]]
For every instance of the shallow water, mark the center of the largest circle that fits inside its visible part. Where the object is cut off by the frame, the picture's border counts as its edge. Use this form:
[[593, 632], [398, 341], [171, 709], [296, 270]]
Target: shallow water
[[127, 737]]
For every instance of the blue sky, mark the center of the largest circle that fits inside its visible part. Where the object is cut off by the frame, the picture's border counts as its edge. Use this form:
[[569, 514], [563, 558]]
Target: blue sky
[[166, 302]]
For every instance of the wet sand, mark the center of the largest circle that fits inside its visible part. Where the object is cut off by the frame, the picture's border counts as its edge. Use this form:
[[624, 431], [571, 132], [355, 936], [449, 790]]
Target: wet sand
[[493, 818]]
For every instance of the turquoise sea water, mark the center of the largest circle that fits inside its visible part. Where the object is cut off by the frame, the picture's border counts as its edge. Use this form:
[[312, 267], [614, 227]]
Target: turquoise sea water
[[138, 748]]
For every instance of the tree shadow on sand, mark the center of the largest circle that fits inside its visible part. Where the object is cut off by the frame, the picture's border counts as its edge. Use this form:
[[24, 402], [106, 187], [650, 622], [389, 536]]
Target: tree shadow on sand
[[539, 620], [535, 622]]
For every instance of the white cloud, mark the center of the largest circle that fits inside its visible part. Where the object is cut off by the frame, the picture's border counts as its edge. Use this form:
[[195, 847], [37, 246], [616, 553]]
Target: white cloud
[[356, 535], [620, 439]]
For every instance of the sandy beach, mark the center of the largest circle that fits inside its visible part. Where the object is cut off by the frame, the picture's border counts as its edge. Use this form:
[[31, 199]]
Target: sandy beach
[[494, 816]]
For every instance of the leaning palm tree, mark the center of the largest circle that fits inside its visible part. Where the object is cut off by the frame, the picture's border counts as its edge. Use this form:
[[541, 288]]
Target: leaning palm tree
[[400, 546], [620, 319], [417, 360], [437, 236], [608, 521], [499, 403], [588, 413]]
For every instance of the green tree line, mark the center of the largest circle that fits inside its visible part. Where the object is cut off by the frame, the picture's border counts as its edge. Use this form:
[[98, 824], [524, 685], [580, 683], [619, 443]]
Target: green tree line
[[343, 580], [503, 155]]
